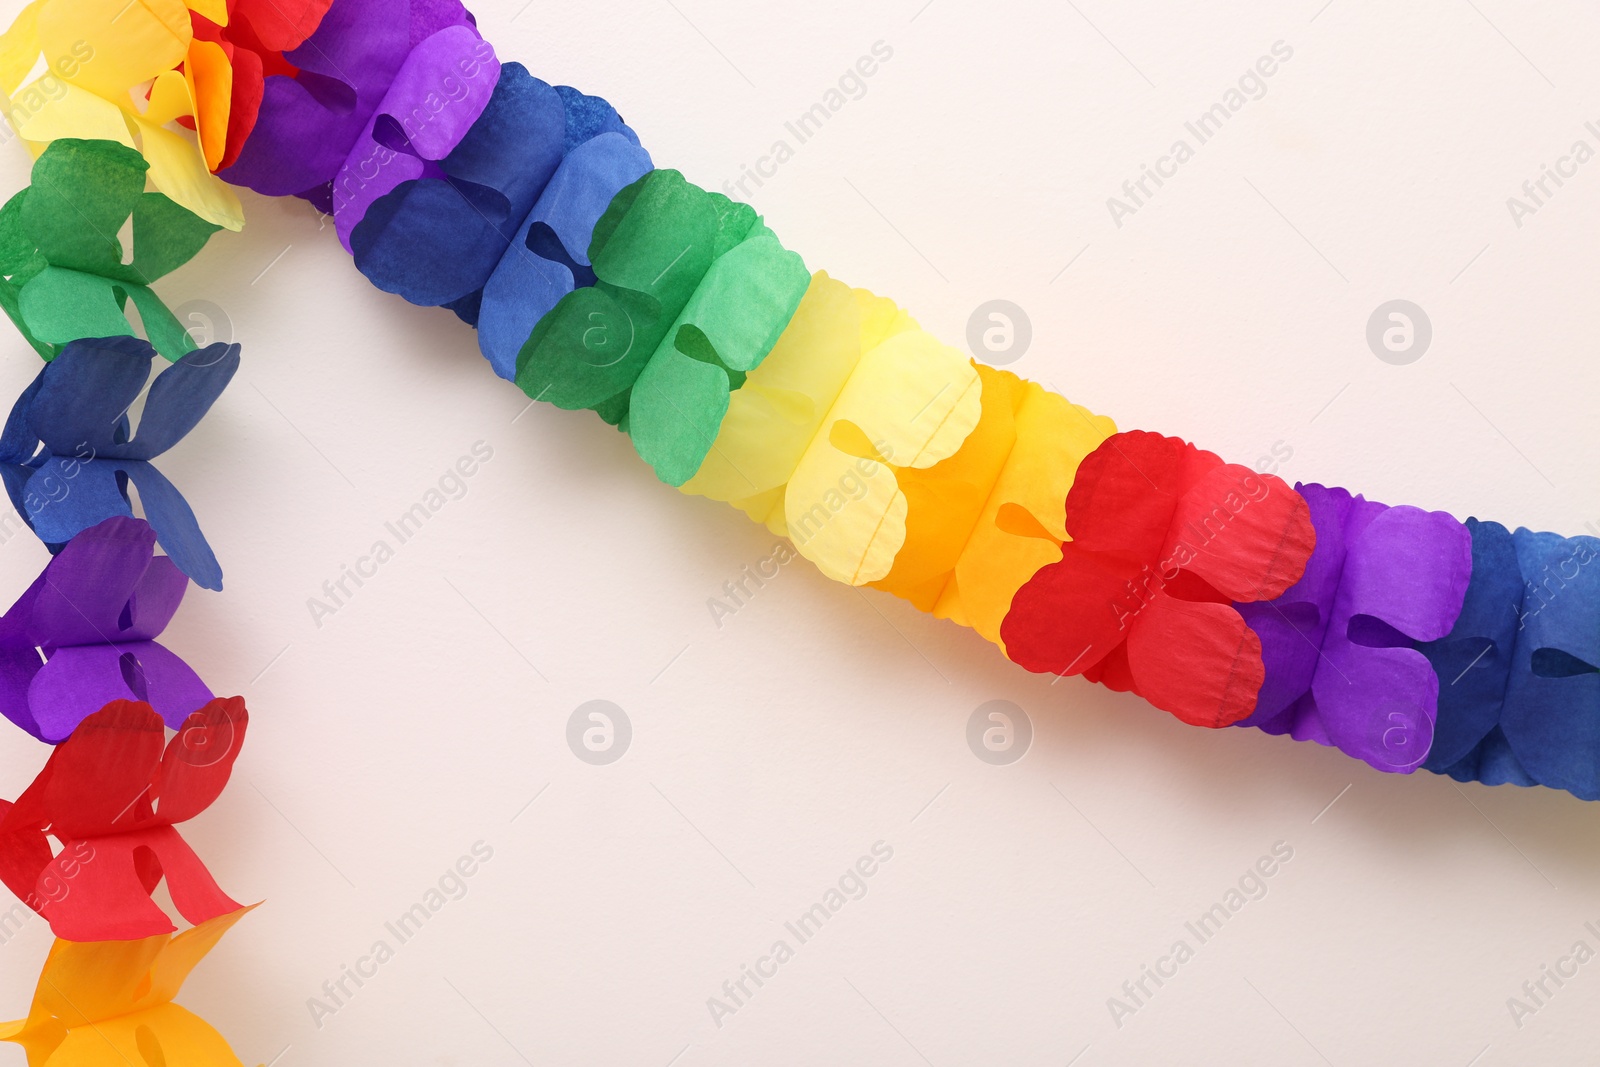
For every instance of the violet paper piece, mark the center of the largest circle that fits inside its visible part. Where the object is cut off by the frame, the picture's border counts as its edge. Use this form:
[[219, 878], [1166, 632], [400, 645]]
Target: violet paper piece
[[67, 451], [437, 95], [94, 614], [309, 122], [1381, 581]]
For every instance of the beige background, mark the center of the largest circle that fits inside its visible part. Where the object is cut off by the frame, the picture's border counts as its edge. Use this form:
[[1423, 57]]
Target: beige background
[[771, 753]]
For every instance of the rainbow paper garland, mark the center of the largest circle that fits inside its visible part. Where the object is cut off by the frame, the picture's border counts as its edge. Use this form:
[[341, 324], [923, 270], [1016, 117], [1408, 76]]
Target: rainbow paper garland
[[1402, 637]]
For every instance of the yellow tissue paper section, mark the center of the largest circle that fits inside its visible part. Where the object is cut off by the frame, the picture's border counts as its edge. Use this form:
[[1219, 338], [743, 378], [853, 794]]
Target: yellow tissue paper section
[[109, 1004], [99, 56], [891, 460], [1021, 523], [853, 391], [117, 44]]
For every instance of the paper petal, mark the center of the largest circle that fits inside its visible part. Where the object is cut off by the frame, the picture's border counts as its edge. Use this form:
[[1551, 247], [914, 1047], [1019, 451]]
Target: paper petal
[[1200, 662], [109, 1003], [85, 391], [66, 496], [309, 122], [175, 524], [125, 46], [87, 677], [102, 796], [440, 90], [86, 594], [910, 402], [1072, 613], [179, 398]]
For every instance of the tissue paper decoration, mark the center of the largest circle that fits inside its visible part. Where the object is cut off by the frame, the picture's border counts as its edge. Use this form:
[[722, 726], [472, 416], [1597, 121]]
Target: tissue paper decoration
[[852, 392], [595, 281], [1023, 523], [109, 1004], [1520, 671], [436, 97], [549, 256], [1342, 663], [111, 795], [1164, 538], [984, 521], [111, 74], [67, 451], [93, 616], [691, 293], [1474, 662], [438, 240], [250, 39], [909, 402], [310, 120], [67, 273]]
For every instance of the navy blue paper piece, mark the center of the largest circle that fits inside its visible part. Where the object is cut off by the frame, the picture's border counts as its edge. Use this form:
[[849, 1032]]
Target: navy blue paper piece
[[1519, 675], [68, 451]]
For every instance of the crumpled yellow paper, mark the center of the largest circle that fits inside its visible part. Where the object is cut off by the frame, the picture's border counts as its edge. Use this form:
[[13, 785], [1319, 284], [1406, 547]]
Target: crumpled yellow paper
[[99, 56], [109, 1004]]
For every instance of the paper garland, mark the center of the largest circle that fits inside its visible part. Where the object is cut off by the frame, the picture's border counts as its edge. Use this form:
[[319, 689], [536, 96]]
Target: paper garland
[[595, 280]]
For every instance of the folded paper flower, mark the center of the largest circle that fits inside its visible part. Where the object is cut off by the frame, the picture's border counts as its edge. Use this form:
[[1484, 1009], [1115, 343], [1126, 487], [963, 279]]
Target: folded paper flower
[[251, 40], [111, 794], [1165, 537], [310, 120], [691, 293], [1340, 647], [109, 1004], [68, 273], [729, 325], [67, 452], [84, 635], [437, 240], [112, 73]]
